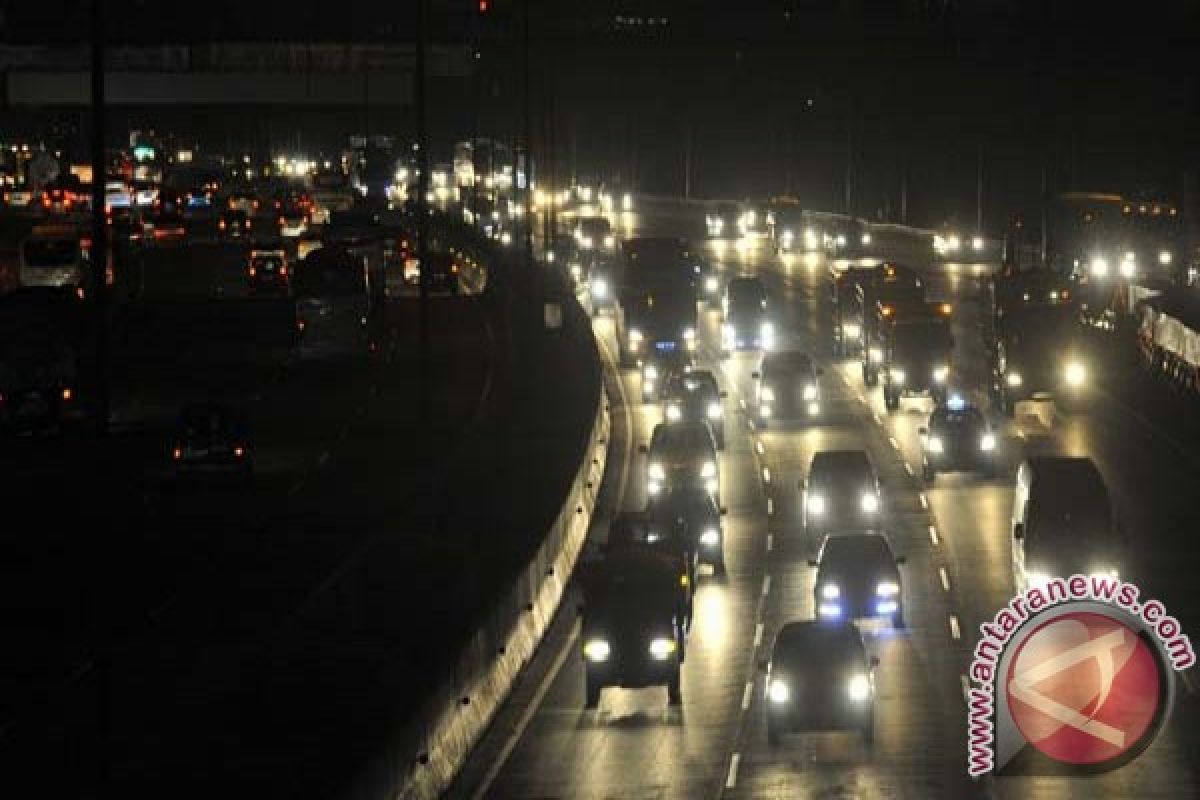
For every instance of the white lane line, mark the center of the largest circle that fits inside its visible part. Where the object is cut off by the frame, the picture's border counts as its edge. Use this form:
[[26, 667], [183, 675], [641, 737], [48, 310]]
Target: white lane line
[[760, 447], [770, 542], [766, 589], [954, 629], [766, 474], [945, 579], [895, 444], [924, 500], [966, 688], [758, 634], [908, 468], [770, 506], [746, 695], [731, 778], [933, 537]]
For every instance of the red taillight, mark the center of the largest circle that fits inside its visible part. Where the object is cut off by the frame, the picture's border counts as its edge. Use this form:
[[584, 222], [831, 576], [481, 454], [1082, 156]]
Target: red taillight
[[67, 394], [282, 221], [239, 451], [283, 271], [253, 272], [300, 325], [177, 453], [221, 224]]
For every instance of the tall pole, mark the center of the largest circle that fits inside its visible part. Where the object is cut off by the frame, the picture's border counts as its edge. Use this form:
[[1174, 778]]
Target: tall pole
[[848, 200], [979, 191], [422, 214], [528, 145]]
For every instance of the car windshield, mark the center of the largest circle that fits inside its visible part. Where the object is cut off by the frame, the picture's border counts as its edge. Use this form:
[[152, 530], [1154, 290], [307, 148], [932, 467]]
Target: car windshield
[[818, 646], [842, 552]]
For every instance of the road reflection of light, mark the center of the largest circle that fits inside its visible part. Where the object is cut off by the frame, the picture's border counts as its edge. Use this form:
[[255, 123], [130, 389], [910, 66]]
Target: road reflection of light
[[812, 260], [718, 246], [712, 617], [788, 260]]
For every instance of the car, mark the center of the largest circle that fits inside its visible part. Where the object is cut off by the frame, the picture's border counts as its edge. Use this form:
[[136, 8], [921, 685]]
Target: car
[[1062, 522], [631, 632], [746, 321], [267, 272], [957, 437], [660, 367], [694, 514], [595, 234], [787, 387], [166, 227], [211, 439], [819, 677], [234, 224], [293, 218], [682, 455], [858, 577], [841, 492], [634, 530], [693, 396], [722, 221]]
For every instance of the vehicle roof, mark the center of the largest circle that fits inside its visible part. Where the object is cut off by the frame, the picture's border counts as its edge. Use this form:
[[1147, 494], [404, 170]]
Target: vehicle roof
[[856, 548], [788, 359], [687, 500], [948, 416], [840, 460], [682, 434], [1057, 469], [819, 640]]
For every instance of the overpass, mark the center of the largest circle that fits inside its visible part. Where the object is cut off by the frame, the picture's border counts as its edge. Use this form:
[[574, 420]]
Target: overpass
[[227, 73]]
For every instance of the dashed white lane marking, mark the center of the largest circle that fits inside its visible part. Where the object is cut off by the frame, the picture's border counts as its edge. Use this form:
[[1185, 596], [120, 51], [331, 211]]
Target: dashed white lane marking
[[895, 444], [878, 419], [766, 474], [758, 633], [770, 542], [924, 500], [933, 536], [760, 448], [954, 629], [731, 778], [945, 578], [908, 468], [766, 589], [966, 688], [746, 695], [770, 506]]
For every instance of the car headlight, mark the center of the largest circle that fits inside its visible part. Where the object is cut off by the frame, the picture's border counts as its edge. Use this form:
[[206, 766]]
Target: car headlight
[[1075, 374], [858, 687], [875, 354], [1128, 268], [953, 243], [766, 330], [1013, 379], [650, 372], [935, 444], [814, 504], [810, 393], [610, 242], [576, 269], [988, 442], [813, 409], [840, 240], [597, 650], [586, 242], [830, 591], [829, 608], [711, 284], [869, 502], [865, 238], [778, 692], [656, 472], [627, 202], [1099, 267], [709, 470], [887, 589], [977, 243], [710, 538], [689, 333], [767, 394], [662, 648], [851, 330], [635, 335], [897, 375], [941, 373], [714, 410], [599, 287], [1165, 257], [673, 413], [786, 237]]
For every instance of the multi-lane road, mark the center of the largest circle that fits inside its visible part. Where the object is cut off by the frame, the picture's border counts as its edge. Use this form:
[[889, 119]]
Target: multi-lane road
[[955, 534]]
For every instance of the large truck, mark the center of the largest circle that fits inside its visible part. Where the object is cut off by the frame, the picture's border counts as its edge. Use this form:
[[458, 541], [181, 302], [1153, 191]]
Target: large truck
[[1169, 337], [1039, 354], [44, 357], [656, 312], [876, 298], [917, 348]]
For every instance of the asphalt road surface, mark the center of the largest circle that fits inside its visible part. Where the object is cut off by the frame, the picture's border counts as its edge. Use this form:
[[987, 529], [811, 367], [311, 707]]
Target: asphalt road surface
[[954, 533]]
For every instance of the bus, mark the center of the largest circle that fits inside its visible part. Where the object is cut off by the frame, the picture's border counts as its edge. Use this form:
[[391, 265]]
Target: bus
[[335, 310]]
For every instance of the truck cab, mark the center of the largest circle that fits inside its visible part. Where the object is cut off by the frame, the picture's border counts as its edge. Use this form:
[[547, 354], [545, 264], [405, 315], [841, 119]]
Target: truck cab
[[917, 349], [1038, 354]]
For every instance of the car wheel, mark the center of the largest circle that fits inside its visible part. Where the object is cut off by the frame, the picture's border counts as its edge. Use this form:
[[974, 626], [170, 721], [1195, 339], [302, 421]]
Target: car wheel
[[674, 690], [891, 400], [591, 693]]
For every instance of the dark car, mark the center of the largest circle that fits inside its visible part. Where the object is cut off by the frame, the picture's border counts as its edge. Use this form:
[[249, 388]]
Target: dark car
[[636, 530], [787, 387], [957, 438], [682, 455], [746, 324], [858, 576], [211, 439], [820, 678], [841, 492], [234, 224], [695, 515], [268, 272], [694, 397]]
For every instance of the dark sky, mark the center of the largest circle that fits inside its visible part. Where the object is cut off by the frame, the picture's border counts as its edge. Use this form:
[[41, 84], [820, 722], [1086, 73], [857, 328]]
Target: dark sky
[[768, 96]]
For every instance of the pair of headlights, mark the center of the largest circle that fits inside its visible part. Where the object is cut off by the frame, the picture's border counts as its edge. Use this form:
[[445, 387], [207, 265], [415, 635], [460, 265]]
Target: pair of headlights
[[599, 650]]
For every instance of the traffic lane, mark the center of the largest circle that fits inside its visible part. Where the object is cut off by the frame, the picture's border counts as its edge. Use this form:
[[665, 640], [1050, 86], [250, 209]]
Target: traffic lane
[[634, 745]]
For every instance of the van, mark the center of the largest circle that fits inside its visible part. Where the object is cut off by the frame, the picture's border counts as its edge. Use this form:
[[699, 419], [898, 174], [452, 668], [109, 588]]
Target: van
[[1062, 522]]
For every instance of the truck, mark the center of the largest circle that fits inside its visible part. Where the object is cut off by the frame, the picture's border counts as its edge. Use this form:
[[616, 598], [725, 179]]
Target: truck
[[917, 347], [1038, 354], [844, 289], [891, 287], [633, 633], [1168, 336], [44, 356]]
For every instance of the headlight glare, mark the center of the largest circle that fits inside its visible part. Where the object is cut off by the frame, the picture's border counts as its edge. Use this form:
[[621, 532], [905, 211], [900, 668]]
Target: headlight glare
[[869, 502], [858, 687], [778, 692], [662, 647], [597, 650]]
